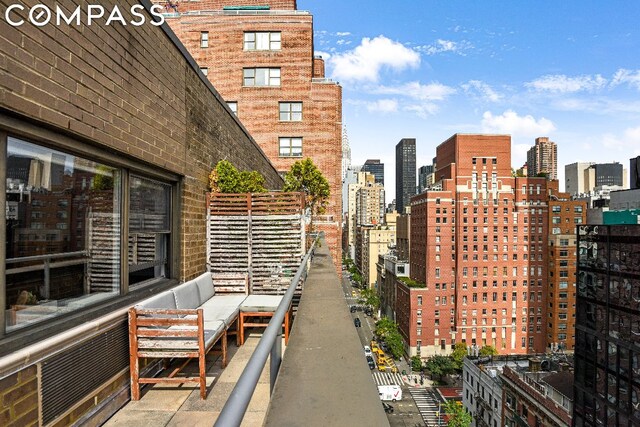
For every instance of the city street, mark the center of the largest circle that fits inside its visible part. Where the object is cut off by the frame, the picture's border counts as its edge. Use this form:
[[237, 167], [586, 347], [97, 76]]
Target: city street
[[405, 412]]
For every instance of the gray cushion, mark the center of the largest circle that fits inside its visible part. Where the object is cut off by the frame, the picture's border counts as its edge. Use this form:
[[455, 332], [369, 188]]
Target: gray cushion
[[163, 300], [205, 287], [222, 307], [212, 331], [187, 295], [261, 303]]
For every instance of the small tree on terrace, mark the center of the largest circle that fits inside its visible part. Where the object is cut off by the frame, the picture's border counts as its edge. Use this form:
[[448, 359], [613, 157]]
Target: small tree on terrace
[[304, 176], [488, 350], [225, 178]]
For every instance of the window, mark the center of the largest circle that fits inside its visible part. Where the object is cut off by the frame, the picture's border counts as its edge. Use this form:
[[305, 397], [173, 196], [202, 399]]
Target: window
[[233, 106], [261, 77], [291, 111], [204, 70], [40, 179], [149, 229], [262, 41], [290, 147], [204, 39], [419, 300]]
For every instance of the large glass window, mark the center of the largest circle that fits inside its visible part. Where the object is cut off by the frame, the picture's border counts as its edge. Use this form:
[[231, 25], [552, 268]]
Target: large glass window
[[261, 77], [149, 229], [262, 40], [62, 233], [290, 147]]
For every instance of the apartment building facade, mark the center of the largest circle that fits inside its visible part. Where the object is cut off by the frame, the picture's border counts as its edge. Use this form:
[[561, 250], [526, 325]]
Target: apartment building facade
[[104, 174], [405, 173], [565, 215], [259, 55], [607, 356], [542, 158], [478, 243]]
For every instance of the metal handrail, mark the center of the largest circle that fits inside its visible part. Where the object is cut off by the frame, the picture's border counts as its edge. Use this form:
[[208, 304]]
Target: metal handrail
[[234, 409]]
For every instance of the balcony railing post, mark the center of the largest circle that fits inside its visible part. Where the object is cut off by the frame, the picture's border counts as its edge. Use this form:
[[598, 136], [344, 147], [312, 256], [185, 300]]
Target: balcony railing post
[[276, 360], [47, 279]]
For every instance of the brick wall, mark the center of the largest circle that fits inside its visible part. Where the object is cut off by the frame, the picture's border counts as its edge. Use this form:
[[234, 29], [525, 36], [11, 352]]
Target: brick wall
[[129, 89], [258, 106], [19, 398], [186, 6]]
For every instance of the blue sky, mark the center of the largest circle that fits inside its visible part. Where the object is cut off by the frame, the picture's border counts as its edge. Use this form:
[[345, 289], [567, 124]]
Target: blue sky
[[569, 70]]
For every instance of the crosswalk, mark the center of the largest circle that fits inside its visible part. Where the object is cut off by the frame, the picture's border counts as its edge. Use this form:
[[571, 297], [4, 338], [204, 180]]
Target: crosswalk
[[387, 378], [427, 405]]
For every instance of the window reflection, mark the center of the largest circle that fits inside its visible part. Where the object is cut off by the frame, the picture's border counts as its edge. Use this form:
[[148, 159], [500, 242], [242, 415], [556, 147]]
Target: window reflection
[[62, 233]]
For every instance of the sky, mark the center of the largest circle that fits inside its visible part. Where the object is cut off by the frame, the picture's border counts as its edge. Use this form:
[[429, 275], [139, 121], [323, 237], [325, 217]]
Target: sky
[[427, 69]]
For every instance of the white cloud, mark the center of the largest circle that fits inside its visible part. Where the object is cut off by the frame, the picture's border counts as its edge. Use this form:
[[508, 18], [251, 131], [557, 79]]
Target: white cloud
[[511, 123], [441, 46], [629, 141], [383, 106], [421, 110], [365, 62], [343, 33], [484, 90], [630, 77], [416, 90], [560, 83]]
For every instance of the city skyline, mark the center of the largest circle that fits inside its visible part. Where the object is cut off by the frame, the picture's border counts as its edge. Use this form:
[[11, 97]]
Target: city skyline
[[433, 69]]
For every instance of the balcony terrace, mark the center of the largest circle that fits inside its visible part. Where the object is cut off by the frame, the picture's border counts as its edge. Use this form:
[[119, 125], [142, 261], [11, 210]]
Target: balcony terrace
[[322, 380]]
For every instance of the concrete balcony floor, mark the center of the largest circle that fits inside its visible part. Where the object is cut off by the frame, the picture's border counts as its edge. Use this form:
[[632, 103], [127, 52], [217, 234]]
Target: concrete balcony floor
[[324, 379], [180, 405]]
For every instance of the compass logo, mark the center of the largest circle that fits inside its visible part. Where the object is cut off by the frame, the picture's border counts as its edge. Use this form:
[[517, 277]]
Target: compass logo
[[41, 15]]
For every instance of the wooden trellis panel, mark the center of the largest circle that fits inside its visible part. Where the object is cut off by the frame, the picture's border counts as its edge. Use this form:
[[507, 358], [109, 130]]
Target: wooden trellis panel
[[258, 235]]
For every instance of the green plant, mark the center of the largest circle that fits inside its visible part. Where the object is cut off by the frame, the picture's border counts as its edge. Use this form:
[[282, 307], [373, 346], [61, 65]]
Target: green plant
[[416, 363], [225, 178], [388, 330], [305, 177], [458, 355], [411, 283], [439, 366], [458, 416], [488, 350]]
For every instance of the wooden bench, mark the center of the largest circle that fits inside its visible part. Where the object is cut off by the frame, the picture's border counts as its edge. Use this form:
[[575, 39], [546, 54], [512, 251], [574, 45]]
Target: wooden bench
[[187, 322]]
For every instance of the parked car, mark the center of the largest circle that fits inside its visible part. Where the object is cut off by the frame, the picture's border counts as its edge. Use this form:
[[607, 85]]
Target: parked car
[[388, 408], [371, 362], [357, 322], [367, 350], [352, 308]]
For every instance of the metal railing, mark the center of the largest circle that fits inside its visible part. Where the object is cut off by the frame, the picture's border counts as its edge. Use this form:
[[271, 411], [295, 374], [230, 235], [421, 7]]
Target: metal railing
[[270, 344], [46, 266]]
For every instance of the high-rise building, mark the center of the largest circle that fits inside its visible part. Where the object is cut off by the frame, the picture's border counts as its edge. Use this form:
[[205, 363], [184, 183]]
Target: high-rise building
[[370, 207], [634, 173], [478, 244], [405, 172], [607, 354], [542, 158], [362, 179], [564, 216], [374, 167], [425, 177], [585, 178], [346, 152], [259, 56]]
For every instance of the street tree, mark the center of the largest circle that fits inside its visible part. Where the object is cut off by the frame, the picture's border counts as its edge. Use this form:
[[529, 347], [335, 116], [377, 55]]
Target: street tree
[[439, 366], [458, 355], [416, 363], [458, 416]]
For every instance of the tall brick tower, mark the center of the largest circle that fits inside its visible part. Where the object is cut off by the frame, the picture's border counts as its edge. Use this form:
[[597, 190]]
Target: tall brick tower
[[478, 245], [259, 56]]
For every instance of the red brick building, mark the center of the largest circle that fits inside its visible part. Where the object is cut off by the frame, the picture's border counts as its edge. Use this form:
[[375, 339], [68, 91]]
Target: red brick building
[[259, 56], [564, 215], [478, 243]]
